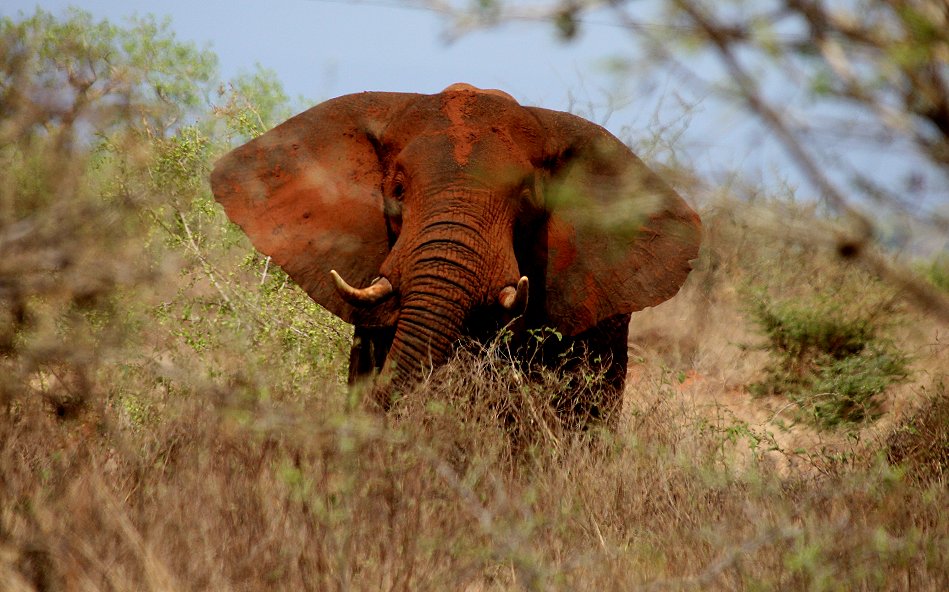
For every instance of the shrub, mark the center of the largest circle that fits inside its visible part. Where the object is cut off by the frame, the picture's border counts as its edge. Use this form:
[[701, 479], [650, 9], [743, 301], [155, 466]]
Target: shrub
[[829, 354]]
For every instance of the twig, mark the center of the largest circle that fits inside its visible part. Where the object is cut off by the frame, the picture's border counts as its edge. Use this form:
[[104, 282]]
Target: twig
[[263, 276], [209, 271], [204, 262]]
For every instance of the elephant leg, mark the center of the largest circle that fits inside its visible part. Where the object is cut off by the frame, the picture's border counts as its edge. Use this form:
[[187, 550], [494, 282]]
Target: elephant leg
[[369, 350], [602, 351], [609, 342]]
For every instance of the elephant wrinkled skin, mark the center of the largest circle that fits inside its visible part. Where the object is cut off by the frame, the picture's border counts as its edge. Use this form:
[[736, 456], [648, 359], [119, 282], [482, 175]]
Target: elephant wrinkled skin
[[441, 212]]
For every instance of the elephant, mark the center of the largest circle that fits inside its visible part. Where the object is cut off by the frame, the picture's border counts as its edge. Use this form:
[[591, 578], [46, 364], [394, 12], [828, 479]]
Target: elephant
[[455, 213]]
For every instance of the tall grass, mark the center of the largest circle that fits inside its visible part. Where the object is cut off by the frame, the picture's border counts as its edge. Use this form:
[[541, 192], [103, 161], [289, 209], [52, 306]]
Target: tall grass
[[221, 490]]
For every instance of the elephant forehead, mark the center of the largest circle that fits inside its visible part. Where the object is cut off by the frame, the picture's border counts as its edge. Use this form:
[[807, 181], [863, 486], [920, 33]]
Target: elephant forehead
[[469, 127], [496, 125], [463, 131]]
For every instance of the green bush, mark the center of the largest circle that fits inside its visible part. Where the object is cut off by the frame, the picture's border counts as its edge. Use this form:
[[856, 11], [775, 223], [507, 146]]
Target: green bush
[[121, 277], [937, 271], [829, 355]]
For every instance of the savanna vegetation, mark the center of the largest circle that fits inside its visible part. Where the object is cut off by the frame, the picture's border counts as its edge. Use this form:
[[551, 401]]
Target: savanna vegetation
[[173, 413]]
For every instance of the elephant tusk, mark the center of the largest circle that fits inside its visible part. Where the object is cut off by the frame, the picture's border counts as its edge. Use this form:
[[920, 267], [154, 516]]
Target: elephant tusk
[[515, 299], [375, 293]]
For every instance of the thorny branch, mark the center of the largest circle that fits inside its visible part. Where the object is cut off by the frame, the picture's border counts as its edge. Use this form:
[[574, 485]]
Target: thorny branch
[[859, 245], [208, 270]]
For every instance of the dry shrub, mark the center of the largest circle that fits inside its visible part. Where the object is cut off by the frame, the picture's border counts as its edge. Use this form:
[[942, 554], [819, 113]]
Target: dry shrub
[[504, 389], [920, 443]]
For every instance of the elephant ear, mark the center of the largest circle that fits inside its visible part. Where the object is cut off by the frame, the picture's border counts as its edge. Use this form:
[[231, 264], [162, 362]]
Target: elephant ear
[[308, 194], [619, 239]]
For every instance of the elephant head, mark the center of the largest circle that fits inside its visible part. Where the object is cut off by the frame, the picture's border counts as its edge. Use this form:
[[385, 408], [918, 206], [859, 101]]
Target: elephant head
[[459, 205]]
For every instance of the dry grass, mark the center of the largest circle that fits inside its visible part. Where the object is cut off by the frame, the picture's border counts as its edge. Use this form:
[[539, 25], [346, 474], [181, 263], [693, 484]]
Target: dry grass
[[226, 492]]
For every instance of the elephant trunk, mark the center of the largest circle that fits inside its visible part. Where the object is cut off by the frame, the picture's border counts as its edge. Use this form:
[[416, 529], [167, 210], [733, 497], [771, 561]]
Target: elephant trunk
[[428, 328], [449, 273]]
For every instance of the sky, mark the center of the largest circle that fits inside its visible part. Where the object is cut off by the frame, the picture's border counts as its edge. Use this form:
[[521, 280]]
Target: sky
[[325, 48], [320, 49]]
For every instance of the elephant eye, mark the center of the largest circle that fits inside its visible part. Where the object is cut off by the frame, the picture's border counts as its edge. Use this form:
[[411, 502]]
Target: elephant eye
[[398, 191]]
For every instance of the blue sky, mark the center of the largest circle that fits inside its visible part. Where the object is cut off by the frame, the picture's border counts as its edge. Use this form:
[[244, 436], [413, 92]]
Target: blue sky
[[325, 48]]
